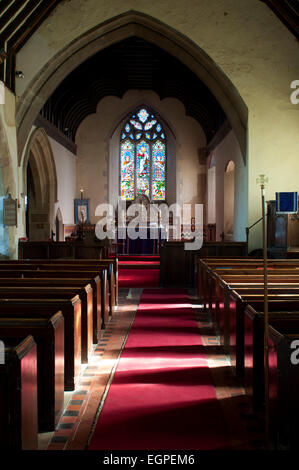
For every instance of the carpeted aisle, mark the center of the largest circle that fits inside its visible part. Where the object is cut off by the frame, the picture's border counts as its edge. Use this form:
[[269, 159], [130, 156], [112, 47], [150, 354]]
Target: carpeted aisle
[[138, 277], [162, 395], [138, 271]]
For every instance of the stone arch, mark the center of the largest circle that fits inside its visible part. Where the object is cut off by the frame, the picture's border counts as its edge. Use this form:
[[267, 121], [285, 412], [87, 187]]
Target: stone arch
[[121, 27], [38, 164]]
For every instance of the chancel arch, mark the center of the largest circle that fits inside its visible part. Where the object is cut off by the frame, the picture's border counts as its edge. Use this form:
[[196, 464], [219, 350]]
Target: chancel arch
[[124, 26]]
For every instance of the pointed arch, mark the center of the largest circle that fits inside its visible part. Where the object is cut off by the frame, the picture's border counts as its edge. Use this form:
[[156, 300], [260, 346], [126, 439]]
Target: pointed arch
[[39, 157], [129, 24]]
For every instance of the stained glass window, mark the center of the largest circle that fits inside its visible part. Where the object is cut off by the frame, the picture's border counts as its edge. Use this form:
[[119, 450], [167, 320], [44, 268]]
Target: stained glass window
[[158, 172], [127, 167], [143, 157]]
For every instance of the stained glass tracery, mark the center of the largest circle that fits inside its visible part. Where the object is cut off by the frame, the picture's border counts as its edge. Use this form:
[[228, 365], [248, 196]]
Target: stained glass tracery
[[143, 115], [143, 157]]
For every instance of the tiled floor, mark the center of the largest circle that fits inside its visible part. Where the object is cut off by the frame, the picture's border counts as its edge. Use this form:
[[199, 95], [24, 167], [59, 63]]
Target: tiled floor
[[84, 404]]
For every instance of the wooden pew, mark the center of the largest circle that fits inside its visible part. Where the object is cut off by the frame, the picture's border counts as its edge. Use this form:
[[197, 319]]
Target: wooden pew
[[70, 262], [236, 313], [211, 289], [85, 295], [254, 350], [206, 270], [82, 265], [93, 269], [225, 286], [46, 308], [283, 387], [93, 263], [75, 249], [215, 296], [97, 280], [66, 282], [94, 277], [49, 337], [18, 396], [213, 277], [216, 279]]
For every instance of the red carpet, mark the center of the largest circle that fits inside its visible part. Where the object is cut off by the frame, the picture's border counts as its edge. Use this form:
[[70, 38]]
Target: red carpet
[[139, 271], [138, 258], [138, 263], [162, 396], [138, 277]]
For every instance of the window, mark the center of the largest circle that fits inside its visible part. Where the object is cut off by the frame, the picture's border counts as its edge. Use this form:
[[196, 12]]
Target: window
[[142, 157]]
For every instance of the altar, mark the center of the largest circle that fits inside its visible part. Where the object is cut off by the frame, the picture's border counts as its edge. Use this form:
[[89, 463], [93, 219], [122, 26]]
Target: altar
[[146, 246], [147, 238]]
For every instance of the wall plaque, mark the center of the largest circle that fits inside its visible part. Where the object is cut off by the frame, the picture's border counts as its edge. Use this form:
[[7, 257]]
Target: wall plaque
[[10, 212]]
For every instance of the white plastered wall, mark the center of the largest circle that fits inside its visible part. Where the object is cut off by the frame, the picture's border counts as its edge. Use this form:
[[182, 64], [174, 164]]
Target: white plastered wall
[[65, 162], [228, 150]]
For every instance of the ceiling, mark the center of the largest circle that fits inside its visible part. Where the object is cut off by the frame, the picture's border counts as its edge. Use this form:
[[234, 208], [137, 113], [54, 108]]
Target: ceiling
[[19, 19], [130, 64]]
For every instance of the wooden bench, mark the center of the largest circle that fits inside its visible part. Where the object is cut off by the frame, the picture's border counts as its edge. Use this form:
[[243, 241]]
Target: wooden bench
[[215, 300], [215, 294], [111, 265], [93, 263], [254, 350], [235, 332], [46, 308], [97, 280], [283, 386], [66, 282], [49, 337], [208, 269], [93, 276], [85, 295], [213, 277], [18, 396], [94, 270], [224, 289]]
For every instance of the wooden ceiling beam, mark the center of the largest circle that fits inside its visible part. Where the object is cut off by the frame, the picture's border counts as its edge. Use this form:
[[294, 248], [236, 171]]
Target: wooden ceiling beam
[[33, 23], [14, 25], [10, 12]]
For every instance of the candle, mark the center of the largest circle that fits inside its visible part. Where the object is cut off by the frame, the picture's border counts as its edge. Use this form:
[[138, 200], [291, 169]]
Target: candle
[[81, 191]]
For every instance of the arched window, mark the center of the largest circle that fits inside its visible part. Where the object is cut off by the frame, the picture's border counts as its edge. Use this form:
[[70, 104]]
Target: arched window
[[142, 157]]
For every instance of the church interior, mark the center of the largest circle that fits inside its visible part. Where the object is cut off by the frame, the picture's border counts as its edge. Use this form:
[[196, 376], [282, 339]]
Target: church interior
[[189, 111]]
